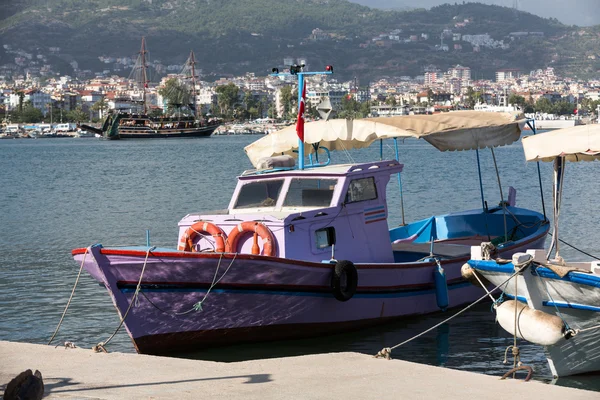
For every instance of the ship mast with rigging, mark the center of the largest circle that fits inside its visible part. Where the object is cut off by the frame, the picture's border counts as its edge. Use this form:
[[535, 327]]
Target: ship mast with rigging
[[144, 74], [188, 75], [192, 63]]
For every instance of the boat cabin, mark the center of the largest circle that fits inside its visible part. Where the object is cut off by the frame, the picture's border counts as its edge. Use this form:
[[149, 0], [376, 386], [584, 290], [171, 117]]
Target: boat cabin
[[322, 211]]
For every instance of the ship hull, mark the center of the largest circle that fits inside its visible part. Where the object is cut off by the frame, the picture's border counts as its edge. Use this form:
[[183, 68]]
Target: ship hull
[[165, 133]]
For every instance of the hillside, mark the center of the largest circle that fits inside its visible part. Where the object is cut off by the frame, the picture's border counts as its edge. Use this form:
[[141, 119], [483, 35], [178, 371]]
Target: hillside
[[233, 36]]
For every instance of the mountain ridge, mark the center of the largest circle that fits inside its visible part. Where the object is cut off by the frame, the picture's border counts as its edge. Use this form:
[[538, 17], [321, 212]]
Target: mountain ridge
[[233, 36]]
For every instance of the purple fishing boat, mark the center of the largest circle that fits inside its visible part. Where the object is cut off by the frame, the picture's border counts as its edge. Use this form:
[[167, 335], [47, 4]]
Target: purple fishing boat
[[305, 252]]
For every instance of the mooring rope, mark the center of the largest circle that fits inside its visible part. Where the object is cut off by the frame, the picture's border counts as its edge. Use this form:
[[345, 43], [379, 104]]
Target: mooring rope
[[198, 305], [576, 331], [193, 307], [101, 346], [515, 348], [501, 195], [475, 274], [70, 297], [576, 248], [521, 367], [386, 351]]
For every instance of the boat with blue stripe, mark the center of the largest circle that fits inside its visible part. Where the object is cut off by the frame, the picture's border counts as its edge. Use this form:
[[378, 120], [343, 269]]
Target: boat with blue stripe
[[545, 285]]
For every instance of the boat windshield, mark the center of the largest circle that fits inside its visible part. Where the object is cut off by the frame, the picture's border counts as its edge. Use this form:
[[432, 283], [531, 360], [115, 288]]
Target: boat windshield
[[310, 193], [361, 189], [259, 194]]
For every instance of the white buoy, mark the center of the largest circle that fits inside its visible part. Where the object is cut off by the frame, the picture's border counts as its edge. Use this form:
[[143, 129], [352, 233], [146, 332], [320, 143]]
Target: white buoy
[[532, 325]]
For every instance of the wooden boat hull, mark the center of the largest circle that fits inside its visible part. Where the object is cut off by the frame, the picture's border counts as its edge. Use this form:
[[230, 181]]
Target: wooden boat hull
[[259, 298]]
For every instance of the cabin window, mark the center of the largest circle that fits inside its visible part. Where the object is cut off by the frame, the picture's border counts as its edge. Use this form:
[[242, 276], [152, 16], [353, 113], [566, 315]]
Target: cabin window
[[325, 237], [361, 190], [310, 193], [259, 194]]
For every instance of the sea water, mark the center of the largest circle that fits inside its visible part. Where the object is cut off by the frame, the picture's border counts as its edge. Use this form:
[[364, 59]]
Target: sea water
[[62, 193]]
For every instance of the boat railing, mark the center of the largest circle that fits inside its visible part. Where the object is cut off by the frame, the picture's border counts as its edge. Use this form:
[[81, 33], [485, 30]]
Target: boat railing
[[316, 163]]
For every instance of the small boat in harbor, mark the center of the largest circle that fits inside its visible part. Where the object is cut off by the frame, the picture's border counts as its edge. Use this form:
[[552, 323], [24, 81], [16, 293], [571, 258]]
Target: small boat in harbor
[[82, 133], [558, 302], [305, 252]]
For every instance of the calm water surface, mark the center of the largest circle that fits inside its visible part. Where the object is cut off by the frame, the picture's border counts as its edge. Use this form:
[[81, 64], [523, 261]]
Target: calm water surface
[[60, 194]]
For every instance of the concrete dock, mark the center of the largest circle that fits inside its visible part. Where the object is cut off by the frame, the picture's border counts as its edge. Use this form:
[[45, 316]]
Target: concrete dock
[[82, 374]]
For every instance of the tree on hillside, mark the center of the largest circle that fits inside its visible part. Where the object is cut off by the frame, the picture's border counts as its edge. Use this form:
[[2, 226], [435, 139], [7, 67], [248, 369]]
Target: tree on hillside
[[253, 107], [563, 107], [473, 97], [77, 115], [516, 100], [429, 96], [227, 99], [262, 107], [21, 99], [271, 112], [520, 101], [27, 113], [365, 109], [543, 105], [588, 105], [100, 107], [288, 103], [353, 109], [176, 94]]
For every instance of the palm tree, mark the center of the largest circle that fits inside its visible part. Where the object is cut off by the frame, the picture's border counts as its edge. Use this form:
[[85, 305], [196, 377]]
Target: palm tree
[[100, 107]]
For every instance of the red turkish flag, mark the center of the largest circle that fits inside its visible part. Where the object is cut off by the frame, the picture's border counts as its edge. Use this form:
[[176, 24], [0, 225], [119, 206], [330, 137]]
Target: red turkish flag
[[300, 121]]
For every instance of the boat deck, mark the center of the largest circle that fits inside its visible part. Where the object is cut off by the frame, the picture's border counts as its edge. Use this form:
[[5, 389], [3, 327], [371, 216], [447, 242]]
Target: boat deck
[[439, 249]]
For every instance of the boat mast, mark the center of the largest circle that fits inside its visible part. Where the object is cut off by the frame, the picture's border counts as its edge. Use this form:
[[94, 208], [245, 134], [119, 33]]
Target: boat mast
[[144, 75], [298, 71], [192, 63]]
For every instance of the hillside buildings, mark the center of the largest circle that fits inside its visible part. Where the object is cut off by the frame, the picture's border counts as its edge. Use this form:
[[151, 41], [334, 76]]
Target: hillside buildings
[[434, 90]]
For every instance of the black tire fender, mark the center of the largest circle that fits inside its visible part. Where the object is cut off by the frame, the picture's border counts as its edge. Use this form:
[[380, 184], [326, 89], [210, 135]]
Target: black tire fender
[[344, 272]]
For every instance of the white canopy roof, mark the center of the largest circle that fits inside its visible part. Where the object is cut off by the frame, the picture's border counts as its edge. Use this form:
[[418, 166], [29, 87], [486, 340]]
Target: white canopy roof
[[577, 143], [460, 130]]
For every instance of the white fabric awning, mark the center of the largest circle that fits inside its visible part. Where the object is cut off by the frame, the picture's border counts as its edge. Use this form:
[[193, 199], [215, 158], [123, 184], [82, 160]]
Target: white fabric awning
[[577, 143], [460, 130]]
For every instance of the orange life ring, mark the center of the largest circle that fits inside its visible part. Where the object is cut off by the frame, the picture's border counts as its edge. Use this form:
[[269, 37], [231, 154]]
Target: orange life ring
[[255, 227], [186, 242]]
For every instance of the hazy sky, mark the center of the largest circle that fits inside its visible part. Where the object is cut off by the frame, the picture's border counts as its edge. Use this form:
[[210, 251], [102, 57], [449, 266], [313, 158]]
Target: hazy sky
[[571, 12]]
